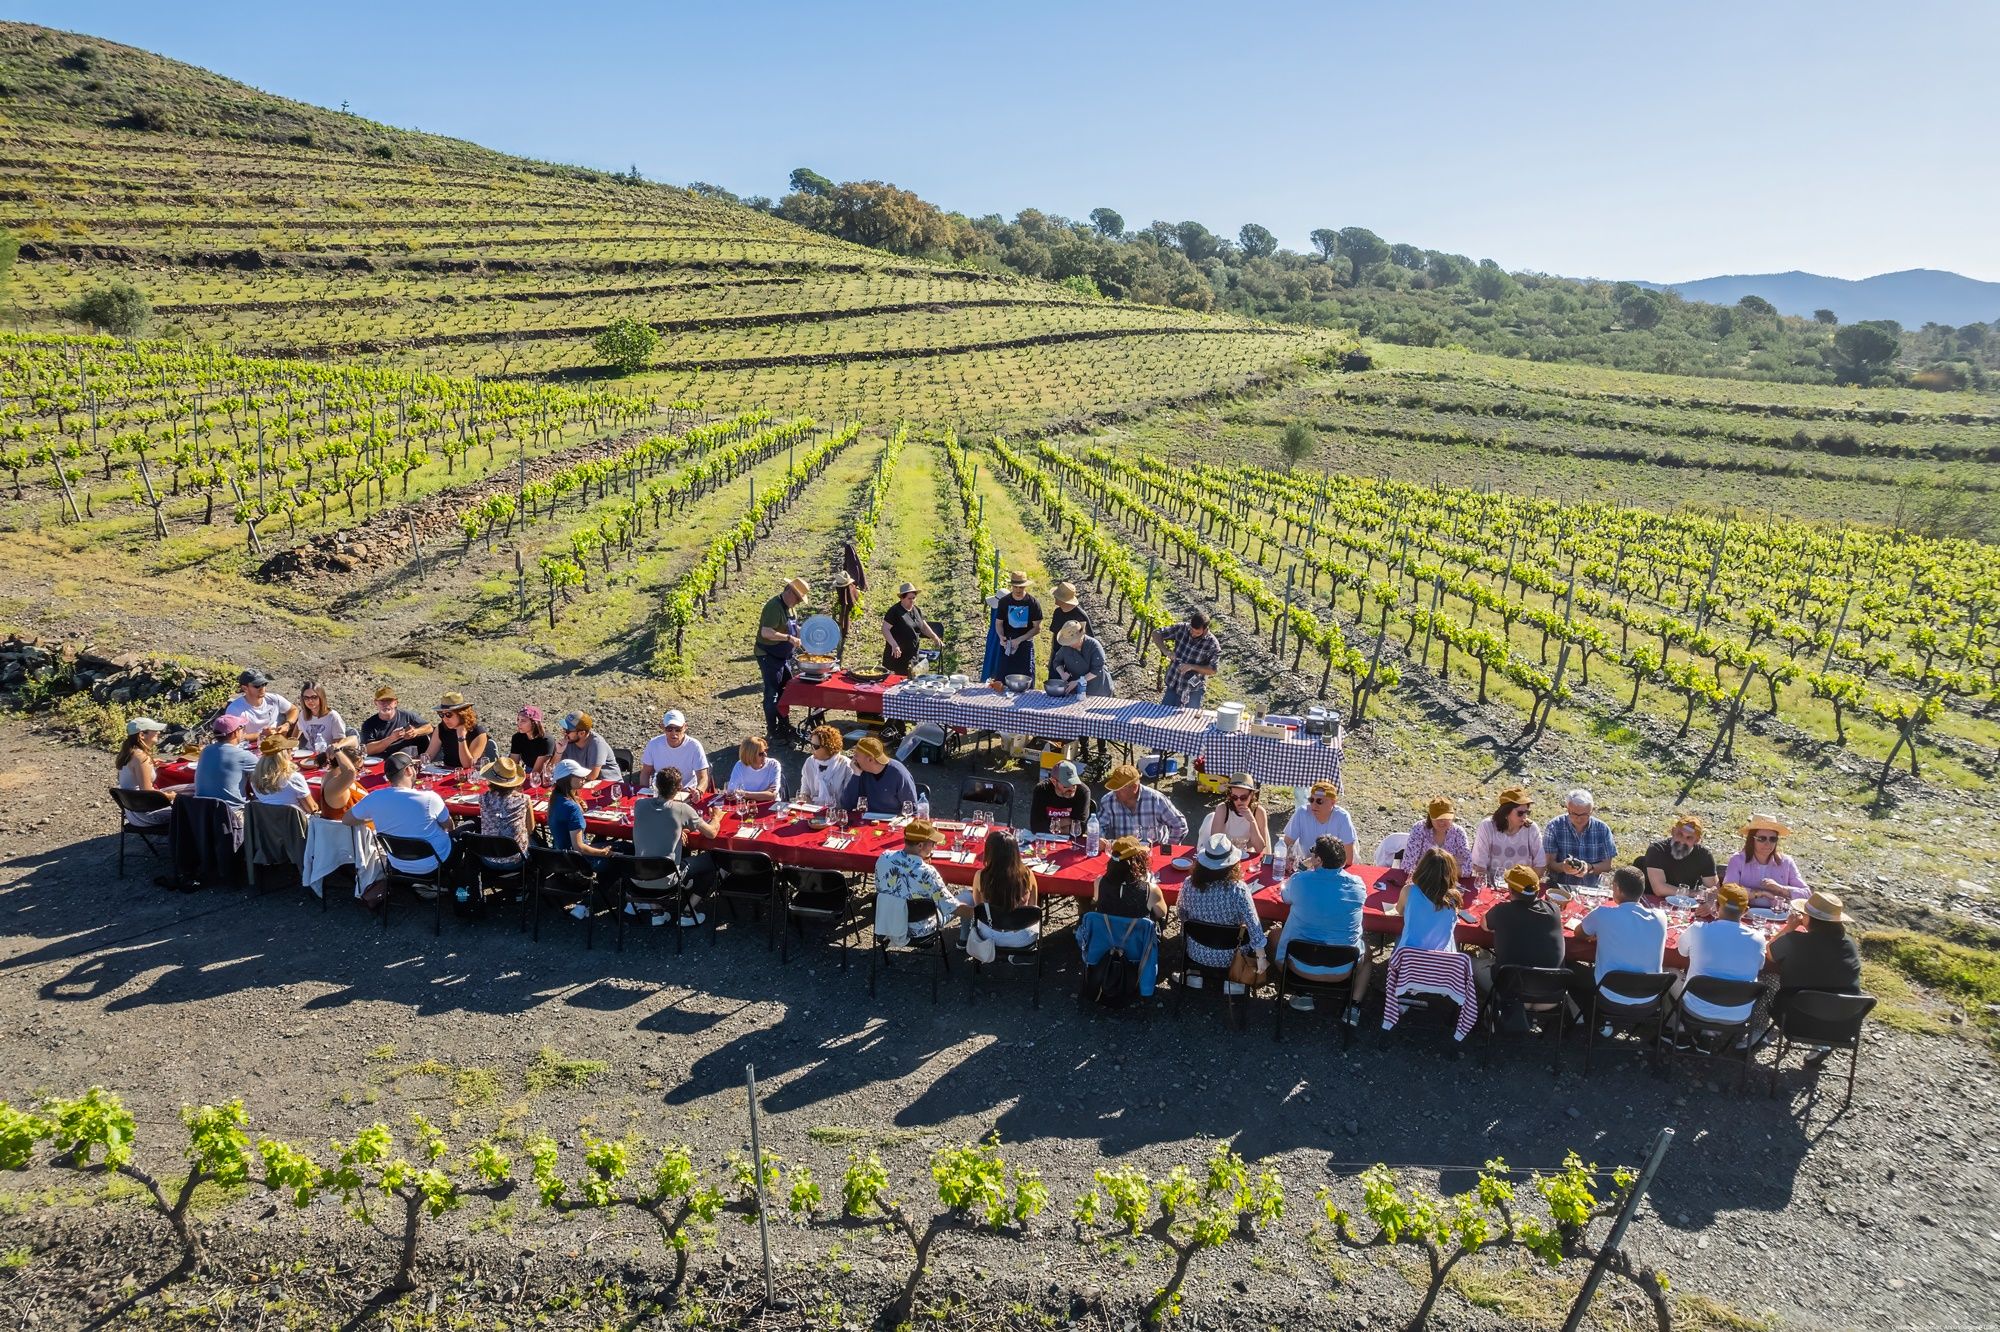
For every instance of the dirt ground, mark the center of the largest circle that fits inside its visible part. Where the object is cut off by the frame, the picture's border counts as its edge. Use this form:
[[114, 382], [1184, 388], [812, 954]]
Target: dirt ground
[[1786, 1208]]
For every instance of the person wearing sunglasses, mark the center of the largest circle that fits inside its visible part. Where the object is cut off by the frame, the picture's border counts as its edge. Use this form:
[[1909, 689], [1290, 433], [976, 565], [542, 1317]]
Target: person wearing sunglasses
[[1771, 876], [394, 728], [1241, 818], [1321, 816], [1507, 839]]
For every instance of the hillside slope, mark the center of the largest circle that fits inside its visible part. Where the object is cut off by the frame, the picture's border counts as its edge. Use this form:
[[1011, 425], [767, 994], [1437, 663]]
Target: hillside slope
[[1913, 297], [276, 228]]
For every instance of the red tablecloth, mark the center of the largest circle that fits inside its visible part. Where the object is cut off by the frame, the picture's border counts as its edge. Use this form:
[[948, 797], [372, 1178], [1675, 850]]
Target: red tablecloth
[[839, 692]]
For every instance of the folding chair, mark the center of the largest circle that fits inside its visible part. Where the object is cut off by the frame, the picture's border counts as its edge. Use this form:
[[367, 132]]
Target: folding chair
[[1820, 1017], [921, 909], [1628, 1001], [623, 758], [816, 895], [990, 792], [1534, 990], [1222, 937], [752, 877], [567, 878], [486, 856], [131, 803], [270, 833], [654, 885], [1291, 982], [1020, 918], [413, 850], [1711, 1038]]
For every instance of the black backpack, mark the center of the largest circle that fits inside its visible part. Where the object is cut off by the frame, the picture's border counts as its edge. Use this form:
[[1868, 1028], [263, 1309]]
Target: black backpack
[[1113, 980]]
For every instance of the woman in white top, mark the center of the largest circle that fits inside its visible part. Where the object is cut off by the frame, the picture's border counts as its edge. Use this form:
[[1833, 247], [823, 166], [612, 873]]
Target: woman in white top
[[320, 727], [757, 775], [827, 771], [1240, 818], [1511, 837], [137, 765], [276, 781]]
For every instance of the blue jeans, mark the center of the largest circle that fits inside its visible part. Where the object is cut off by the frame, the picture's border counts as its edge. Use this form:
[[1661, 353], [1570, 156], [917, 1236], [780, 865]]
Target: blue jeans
[[1185, 691]]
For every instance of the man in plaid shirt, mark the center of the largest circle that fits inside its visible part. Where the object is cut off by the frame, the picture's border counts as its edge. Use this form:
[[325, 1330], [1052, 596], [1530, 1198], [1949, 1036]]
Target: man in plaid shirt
[[1129, 808], [1196, 654], [1579, 846]]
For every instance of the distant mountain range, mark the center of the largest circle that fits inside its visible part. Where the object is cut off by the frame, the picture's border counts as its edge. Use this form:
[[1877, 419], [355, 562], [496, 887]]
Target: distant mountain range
[[1913, 297]]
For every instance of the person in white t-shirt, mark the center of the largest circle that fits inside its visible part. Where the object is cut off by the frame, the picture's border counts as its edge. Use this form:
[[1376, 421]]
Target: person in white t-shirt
[[260, 709], [276, 781], [401, 810], [1321, 816], [673, 747], [757, 775], [1724, 948], [1631, 936]]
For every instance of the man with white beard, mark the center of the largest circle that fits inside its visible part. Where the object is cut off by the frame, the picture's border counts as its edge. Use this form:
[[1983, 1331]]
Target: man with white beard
[[1678, 862]]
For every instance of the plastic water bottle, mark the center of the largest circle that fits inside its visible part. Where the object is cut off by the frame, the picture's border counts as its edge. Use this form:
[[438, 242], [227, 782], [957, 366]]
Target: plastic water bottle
[[1093, 836], [923, 806], [1279, 855]]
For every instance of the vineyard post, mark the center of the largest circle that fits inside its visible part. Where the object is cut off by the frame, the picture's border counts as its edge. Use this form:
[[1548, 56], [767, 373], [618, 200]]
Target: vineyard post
[[1839, 624], [152, 500], [1626, 1210], [416, 551], [521, 583], [757, 1173], [1562, 657], [1714, 566], [260, 460]]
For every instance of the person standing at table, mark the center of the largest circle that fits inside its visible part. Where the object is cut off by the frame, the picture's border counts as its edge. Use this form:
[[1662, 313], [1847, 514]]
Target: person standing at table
[[393, 729], [1578, 845], [673, 747], [903, 628], [1509, 837], [1079, 659], [1771, 876], [1321, 816], [1678, 862], [1067, 612], [1194, 656], [1063, 796], [1016, 622], [1437, 830], [846, 596], [881, 785], [777, 640], [824, 776], [259, 708], [320, 727], [1130, 808]]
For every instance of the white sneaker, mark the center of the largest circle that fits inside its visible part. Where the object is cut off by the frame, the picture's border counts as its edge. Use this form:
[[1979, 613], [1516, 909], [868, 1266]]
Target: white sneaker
[[660, 918], [631, 910], [1302, 1002], [580, 911], [698, 918], [1232, 987], [1192, 980]]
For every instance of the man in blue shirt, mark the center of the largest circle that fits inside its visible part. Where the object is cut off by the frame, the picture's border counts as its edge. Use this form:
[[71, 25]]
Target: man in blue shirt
[[1326, 901], [1579, 846], [223, 770], [881, 785]]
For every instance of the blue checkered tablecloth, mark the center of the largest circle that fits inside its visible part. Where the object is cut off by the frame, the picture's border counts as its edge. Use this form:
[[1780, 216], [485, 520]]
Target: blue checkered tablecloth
[[1126, 721]]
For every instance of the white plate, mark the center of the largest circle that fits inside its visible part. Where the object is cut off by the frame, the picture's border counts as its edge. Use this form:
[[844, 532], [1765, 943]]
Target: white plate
[[1682, 902], [1769, 914], [1182, 862]]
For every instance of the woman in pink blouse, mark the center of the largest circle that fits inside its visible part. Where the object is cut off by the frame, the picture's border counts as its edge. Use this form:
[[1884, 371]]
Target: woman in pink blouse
[[1771, 876], [1439, 829], [1511, 837]]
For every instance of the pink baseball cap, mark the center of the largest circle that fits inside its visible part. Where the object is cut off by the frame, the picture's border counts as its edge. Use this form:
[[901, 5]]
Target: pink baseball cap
[[530, 713], [227, 724]]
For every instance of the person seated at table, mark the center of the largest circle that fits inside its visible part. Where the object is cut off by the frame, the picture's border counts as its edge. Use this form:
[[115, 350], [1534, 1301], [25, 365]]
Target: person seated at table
[[1509, 837], [1577, 846], [506, 811], [1130, 808], [1678, 862], [259, 709], [460, 742], [1527, 931], [1814, 951], [673, 747], [1079, 659], [660, 825], [404, 809], [138, 764], [530, 745], [1326, 900], [393, 728], [1215, 894], [276, 780], [340, 778], [1630, 935], [223, 770], [824, 776], [1725, 948], [907, 872], [1771, 876], [1431, 904], [881, 785], [1241, 818], [1194, 657], [903, 627], [1321, 816], [1061, 803], [565, 823], [1127, 886], [588, 750], [1438, 830], [757, 776], [1001, 884], [320, 727], [1016, 622]]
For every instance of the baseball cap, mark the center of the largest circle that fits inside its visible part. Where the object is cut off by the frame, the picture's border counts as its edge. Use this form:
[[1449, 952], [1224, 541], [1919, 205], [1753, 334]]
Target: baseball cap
[[674, 718], [1067, 774], [569, 768], [399, 762], [227, 724], [138, 724], [253, 677]]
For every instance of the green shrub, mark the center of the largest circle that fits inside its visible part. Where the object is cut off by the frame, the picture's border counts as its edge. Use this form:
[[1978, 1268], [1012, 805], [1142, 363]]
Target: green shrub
[[117, 307], [627, 346]]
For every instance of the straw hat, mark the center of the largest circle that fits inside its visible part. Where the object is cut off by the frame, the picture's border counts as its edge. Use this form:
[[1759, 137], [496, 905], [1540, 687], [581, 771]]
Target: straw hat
[[1514, 795], [504, 774], [920, 830], [1132, 849], [843, 579], [1440, 807], [1218, 852], [1243, 781], [1825, 906], [1764, 823], [1017, 579], [801, 587], [451, 702], [1733, 895], [906, 589], [272, 742], [1064, 593], [1071, 634], [1120, 777], [1523, 879]]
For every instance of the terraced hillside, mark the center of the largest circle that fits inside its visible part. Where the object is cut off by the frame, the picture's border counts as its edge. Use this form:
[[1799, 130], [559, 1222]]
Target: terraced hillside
[[274, 229]]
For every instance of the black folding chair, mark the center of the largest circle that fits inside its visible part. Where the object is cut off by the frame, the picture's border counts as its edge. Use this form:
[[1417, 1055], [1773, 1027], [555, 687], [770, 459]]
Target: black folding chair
[[1827, 1018], [936, 940], [815, 895], [131, 803], [1020, 918], [750, 877], [652, 886], [1531, 991], [1630, 1001], [566, 878], [427, 882], [1291, 982], [623, 758], [989, 793], [487, 857], [1712, 1038], [270, 832], [1227, 938]]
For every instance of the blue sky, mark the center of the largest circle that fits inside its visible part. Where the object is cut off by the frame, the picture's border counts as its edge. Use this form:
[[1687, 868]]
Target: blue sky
[[1668, 143]]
